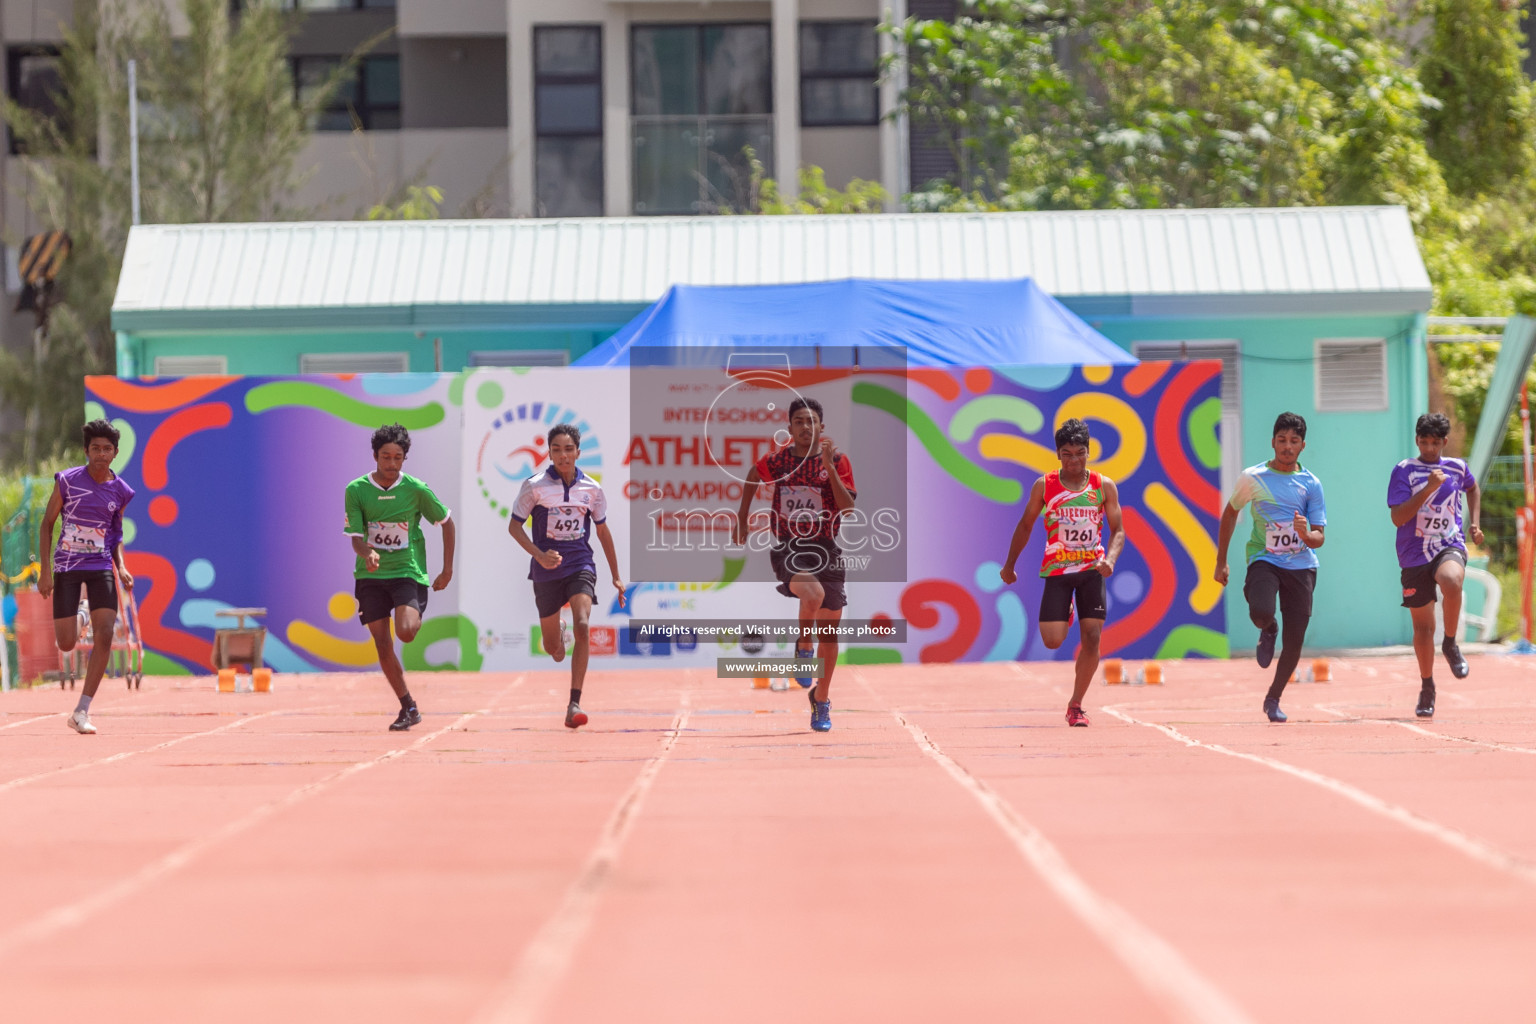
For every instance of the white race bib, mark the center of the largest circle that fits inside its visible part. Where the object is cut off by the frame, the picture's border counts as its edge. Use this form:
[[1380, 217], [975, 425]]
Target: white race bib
[[800, 502], [1082, 536], [1281, 538], [83, 540], [389, 536], [566, 522], [1435, 522]]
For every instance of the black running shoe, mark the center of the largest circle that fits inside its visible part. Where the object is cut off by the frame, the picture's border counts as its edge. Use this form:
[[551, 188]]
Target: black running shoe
[[1452, 651], [1426, 708], [1272, 709], [408, 717], [1265, 652]]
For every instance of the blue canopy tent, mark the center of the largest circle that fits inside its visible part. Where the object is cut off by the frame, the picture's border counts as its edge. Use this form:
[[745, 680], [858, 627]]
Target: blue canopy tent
[[935, 323]]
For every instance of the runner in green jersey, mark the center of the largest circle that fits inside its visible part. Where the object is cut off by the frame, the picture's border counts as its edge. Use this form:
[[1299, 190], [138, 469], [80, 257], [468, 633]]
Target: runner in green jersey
[[384, 513]]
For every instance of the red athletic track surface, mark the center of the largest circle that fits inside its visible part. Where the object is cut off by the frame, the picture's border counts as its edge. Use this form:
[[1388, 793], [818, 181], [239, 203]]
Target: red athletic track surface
[[950, 852]]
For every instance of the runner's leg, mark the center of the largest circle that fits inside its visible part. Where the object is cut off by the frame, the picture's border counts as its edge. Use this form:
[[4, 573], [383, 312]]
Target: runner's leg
[[389, 663], [826, 650], [407, 623], [1424, 638], [1295, 612], [1450, 576], [103, 621], [1090, 631], [581, 618]]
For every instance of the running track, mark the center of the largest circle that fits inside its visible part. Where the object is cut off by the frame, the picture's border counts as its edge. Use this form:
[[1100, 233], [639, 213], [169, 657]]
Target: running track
[[951, 851]]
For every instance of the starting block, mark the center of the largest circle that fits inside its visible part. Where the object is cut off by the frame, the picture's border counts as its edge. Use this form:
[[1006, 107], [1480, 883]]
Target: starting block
[[1151, 674], [1114, 672], [258, 681], [760, 683], [1320, 672]]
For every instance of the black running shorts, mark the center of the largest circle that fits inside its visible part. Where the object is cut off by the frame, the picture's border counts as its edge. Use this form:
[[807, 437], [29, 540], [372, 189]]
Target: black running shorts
[[818, 558], [100, 591], [377, 599], [1086, 588], [1419, 580], [552, 595]]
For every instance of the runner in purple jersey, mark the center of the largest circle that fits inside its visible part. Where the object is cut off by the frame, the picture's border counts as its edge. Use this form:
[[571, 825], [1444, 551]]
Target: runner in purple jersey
[[91, 499], [1425, 497]]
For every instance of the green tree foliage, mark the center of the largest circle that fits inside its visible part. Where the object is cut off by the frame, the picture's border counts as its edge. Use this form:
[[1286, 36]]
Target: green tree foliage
[[763, 195], [1169, 103], [416, 202], [220, 130]]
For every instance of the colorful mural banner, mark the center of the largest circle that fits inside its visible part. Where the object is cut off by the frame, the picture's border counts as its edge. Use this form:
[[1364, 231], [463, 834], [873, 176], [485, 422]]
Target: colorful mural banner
[[240, 484]]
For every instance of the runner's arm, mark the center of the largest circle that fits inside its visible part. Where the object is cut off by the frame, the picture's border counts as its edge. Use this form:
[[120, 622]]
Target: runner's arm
[[548, 559], [840, 494], [1114, 519], [748, 492], [605, 538], [1022, 530], [1311, 536], [1403, 511], [45, 541], [450, 540], [1223, 538], [118, 558], [1475, 512]]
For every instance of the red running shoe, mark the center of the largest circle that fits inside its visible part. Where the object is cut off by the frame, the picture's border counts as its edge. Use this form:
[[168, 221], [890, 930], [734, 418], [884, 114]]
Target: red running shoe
[[1075, 715]]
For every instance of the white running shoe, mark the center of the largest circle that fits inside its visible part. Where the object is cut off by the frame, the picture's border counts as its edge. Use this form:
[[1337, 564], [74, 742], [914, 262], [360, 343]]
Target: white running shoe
[[81, 723], [567, 636]]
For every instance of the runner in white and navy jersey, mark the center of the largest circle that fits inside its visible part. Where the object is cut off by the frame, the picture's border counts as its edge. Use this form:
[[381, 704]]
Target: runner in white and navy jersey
[[564, 505], [90, 499], [1425, 497]]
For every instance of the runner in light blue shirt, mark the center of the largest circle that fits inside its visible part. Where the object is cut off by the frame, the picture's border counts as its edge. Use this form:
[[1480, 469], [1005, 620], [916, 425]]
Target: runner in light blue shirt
[[1288, 520]]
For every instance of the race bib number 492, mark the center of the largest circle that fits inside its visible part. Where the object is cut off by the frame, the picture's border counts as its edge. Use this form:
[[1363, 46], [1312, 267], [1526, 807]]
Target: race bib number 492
[[389, 536], [566, 522], [1281, 538]]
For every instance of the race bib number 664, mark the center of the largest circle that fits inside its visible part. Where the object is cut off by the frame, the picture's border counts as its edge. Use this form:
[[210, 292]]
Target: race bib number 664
[[389, 536]]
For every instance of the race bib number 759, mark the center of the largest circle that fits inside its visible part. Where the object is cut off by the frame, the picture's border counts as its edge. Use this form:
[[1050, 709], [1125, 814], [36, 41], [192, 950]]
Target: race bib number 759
[[1435, 522]]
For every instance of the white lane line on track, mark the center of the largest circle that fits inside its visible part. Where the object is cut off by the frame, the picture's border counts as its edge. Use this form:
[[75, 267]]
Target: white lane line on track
[[34, 718], [124, 755], [1479, 850], [1490, 744], [1160, 969], [548, 956], [72, 914]]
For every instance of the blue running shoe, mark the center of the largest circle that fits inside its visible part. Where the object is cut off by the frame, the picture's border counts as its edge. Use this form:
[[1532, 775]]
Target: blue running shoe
[[805, 682], [821, 713], [1264, 653], [1272, 709]]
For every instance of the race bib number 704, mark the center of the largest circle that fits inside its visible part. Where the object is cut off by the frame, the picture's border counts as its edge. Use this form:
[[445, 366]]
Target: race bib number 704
[[1281, 538]]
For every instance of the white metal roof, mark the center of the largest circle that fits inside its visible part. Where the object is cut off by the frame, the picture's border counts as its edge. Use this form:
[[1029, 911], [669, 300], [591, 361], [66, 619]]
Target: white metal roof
[[1169, 261]]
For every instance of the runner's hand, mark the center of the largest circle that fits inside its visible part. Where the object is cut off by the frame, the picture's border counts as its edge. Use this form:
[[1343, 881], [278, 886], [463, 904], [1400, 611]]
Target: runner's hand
[[549, 559], [1302, 526], [1476, 533], [443, 579], [126, 577], [1104, 566], [1008, 575], [828, 451], [1221, 574], [1436, 478], [618, 585], [372, 560], [739, 531], [45, 583]]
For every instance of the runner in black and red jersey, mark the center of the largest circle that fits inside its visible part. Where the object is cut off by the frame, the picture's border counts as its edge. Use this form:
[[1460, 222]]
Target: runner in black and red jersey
[[1077, 505], [813, 487]]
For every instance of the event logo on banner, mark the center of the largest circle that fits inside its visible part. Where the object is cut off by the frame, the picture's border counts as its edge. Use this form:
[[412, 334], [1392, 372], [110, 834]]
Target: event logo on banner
[[240, 483]]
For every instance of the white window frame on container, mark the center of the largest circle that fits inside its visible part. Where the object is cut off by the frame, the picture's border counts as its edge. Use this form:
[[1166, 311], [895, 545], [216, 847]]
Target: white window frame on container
[[189, 366], [355, 362], [1230, 352], [1327, 353], [521, 357]]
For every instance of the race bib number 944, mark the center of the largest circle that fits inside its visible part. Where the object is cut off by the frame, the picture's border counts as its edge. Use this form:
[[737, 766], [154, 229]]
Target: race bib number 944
[[389, 536], [1281, 538]]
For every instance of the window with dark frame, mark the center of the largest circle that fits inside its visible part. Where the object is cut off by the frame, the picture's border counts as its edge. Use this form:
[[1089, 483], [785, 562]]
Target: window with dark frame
[[33, 80], [701, 96], [839, 73], [371, 94], [568, 120], [314, 6]]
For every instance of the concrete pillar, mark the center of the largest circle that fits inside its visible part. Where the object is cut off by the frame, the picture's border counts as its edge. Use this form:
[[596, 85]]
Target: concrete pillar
[[520, 136], [618, 152], [786, 96]]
